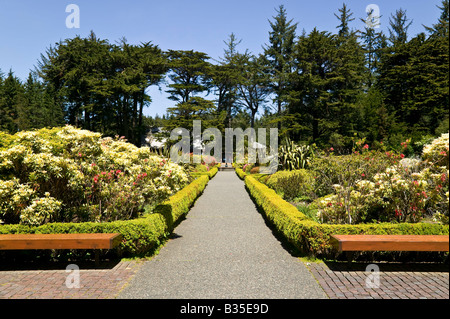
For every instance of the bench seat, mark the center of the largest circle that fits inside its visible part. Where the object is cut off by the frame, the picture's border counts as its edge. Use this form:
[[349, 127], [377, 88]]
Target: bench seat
[[390, 242], [59, 241]]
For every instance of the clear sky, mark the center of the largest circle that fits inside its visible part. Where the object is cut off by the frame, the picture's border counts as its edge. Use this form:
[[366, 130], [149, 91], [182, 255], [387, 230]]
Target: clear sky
[[29, 27]]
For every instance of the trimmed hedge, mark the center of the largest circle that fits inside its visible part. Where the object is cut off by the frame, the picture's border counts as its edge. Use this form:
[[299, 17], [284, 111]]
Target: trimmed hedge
[[211, 173], [312, 238], [240, 173], [140, 235]]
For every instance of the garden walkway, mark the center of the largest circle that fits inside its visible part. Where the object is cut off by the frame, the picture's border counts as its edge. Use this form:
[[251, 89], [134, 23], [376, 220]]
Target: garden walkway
[[223, 250]]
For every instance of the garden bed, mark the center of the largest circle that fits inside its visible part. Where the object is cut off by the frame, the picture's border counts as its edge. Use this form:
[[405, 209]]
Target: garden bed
[[312, 238], [141, 236]]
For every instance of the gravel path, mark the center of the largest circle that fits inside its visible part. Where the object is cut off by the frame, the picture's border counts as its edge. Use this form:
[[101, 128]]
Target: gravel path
[[223, 250]]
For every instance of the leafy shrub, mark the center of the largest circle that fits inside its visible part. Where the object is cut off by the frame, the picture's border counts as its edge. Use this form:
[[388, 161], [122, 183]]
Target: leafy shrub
[[346, 170], [92, 178], [240, 173], [292, 184], [292, 156], [201, 168]]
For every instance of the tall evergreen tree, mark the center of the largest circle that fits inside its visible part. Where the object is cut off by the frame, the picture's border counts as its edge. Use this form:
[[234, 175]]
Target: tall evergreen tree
[[440, 29], [224, 78], [373, 43], [344, 18], [398, 27], [11, 98], [347, 76], [38, 108], [310, 87], [253, 84], [279, 56], [190, 74]]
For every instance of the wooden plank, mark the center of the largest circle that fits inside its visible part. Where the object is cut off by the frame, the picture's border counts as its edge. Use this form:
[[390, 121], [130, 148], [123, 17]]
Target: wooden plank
[[390, 242], [59, 241]]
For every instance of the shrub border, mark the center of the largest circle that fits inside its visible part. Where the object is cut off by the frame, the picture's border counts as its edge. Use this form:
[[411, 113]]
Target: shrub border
[[141, 236], [240, 173], [312, 238], [211, 173]]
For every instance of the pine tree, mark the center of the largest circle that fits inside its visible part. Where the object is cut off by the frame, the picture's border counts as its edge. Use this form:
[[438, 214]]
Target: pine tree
[[309, 113], [398, 27], [189, 74], [224, 78], [253, 84], [345, 18], [347, 76], [278, 54], [440, 29], [11, 98], [373, 43]]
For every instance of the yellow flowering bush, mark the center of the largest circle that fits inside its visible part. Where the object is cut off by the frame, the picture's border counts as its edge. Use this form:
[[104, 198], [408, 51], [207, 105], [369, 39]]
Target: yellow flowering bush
[[72, 175]]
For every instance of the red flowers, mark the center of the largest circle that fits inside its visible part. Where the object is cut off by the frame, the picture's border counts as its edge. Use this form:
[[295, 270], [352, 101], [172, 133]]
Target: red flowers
[[366, 147]]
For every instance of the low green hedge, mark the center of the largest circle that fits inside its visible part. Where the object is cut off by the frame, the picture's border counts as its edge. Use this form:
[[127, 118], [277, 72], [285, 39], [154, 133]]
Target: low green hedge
[[240, 173], [312, 238], [211, 173], [140, 235]]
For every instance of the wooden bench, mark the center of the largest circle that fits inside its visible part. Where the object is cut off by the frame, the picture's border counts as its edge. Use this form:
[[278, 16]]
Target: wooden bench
[[352, 243], [93, 241]]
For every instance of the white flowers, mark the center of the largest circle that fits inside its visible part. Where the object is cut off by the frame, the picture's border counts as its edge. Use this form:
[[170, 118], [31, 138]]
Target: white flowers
[[41, 210]]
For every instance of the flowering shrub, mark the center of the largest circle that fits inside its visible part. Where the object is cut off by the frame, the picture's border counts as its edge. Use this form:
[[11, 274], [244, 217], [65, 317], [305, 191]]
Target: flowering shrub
[[437, 152], [405, 191], [66, 174], [347, 170]]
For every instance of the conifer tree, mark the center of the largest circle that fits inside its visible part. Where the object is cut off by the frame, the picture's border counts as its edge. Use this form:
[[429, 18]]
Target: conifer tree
[[279, 57]]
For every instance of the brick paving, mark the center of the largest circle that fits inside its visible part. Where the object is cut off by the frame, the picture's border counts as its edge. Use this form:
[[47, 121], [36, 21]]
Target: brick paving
[[104, 283], [338, 280], [396, 281]]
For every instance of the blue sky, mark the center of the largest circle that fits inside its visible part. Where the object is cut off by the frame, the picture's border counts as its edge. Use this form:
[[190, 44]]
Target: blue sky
[[29, 27]]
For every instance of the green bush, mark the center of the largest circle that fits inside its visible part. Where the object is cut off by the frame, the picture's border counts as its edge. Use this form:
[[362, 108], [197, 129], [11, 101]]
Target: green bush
[[210, 173], [140, 235], [312, 238], [346, 170], [240, 173], [292, 184]]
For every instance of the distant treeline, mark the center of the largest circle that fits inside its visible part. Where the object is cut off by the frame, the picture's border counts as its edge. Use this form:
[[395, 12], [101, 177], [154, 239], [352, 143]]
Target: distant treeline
[[318, 87]]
